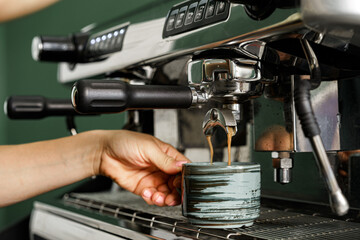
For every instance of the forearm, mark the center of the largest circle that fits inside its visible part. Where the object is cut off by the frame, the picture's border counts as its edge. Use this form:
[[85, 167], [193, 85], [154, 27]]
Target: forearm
[[30, 169], [10, 9]]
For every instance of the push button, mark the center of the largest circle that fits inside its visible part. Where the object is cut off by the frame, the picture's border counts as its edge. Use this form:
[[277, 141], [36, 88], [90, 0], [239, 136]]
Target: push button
[[171, 21], [190, 14], [220, 8], [120, 39], [180, 18], [97, 44], [102, 43], [210, 10], [114, 38], [118, 42], [199, 15], [106, 45], [92, 45], [110, 38]]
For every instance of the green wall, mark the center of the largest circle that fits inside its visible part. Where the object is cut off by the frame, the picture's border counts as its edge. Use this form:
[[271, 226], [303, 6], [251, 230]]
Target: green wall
[[2, 81], [20, 75]]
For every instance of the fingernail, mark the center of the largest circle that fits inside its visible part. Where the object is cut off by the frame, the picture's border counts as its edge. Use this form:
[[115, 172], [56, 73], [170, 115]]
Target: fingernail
[[147, 194], [173, 203], [160, 199], [180, 163]]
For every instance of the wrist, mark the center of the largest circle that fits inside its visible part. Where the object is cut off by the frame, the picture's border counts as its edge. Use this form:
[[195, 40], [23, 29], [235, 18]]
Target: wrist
[[97, 139]]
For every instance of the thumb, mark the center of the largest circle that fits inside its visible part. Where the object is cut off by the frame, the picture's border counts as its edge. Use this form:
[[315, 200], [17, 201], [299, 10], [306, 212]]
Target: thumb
[[165, 162]]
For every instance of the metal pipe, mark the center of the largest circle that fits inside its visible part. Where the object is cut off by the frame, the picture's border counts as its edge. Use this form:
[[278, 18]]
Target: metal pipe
[[338, 202]]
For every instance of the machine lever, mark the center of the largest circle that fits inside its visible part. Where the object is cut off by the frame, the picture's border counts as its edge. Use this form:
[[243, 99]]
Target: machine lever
[[112, 96], [37, 107]]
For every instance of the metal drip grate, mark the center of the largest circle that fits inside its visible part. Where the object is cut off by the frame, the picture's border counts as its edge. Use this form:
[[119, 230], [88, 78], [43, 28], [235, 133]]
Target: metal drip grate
[[272, 223]]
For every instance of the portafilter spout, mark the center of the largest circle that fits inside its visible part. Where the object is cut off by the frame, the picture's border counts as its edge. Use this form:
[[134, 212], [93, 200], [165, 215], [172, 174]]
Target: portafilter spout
[[223, 118]]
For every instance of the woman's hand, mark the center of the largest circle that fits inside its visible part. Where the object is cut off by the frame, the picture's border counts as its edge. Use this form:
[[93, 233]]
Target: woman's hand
[[138, 162], [143, 165]]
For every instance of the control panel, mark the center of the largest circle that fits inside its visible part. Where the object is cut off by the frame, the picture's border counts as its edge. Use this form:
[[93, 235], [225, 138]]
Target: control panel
[[194, 14], [103, 43]]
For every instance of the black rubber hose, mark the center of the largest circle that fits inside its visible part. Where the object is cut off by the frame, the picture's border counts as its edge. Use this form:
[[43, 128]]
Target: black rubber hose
[[304, 109]]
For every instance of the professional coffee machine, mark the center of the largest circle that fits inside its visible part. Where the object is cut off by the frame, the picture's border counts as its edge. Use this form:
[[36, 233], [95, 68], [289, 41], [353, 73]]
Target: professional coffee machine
[[282, 73]]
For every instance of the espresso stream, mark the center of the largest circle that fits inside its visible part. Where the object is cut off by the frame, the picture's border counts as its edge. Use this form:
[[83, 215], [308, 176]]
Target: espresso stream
[[230, 134], [208, 138]]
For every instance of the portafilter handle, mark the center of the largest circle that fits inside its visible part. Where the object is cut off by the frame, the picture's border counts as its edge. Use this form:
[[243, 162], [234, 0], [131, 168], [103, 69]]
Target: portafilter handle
[[37, 107], [113, 96]]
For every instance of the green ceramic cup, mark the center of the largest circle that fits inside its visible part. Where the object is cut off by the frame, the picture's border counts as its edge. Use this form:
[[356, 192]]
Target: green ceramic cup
[[221, 196]]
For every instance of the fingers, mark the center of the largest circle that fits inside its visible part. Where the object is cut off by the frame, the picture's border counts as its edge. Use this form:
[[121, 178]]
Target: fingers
[[172, 152], [165, 162], [159, 199], [174, 181], [151, 162], [177, 182], [153, 196], [147, 195], [162, 196], [173, 198], [164, 189]]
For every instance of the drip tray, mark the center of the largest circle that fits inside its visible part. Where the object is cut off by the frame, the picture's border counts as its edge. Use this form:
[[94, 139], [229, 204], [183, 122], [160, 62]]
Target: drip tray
[[272, 223]]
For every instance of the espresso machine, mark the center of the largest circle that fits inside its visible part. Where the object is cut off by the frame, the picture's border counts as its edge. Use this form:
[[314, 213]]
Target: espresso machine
[[288, 88]]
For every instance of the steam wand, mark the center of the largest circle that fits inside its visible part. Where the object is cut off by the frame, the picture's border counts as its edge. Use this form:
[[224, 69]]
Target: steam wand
[[311, 129]]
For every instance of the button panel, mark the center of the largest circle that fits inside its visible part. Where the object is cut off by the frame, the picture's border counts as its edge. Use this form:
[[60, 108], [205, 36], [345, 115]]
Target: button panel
[[220, 8], [199, 15], [194, 14], [210, 10], [104, 43], [191, 13], [181, 17]]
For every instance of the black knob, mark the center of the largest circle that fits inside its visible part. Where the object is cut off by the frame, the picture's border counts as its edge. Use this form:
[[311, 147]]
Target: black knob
[[110, 96], [36, 107], [59, 49]]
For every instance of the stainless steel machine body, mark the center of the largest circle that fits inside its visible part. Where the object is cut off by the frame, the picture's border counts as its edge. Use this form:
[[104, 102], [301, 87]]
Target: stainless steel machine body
[[243, 63]]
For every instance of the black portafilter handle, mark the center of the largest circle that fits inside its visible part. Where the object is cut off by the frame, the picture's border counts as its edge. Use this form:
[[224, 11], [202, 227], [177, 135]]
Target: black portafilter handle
[[37, 107], [112, 96]]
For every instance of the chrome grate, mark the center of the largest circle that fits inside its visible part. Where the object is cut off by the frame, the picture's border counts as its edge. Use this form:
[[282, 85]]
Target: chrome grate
[[272, 224]]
